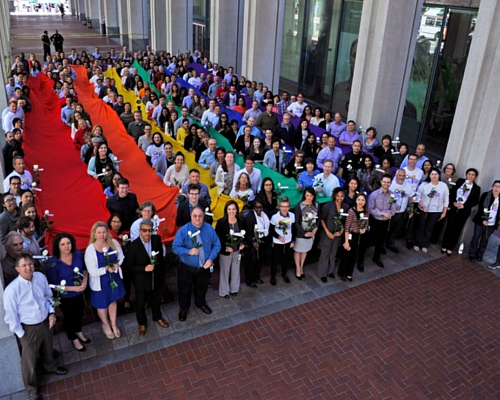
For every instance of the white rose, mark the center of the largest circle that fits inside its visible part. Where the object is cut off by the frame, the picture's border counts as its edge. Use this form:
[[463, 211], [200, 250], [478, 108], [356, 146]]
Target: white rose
[[47, 212], [341, 210], [189, 233], [45, 253], [231, 232], [104, 249], [243, 233], [362, 215], [124, 237], [63, 283], [467, 182], [154, 253], [485, 210], [156, 217], [256, 227], [33, 184], [76, 270], [104, 170]]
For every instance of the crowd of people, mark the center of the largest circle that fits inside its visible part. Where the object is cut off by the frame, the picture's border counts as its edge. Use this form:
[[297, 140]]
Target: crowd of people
[[372, 193]]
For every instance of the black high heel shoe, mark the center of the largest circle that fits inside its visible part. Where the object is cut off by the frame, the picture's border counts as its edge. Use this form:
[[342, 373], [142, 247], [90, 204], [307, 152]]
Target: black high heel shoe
[[298, 277]]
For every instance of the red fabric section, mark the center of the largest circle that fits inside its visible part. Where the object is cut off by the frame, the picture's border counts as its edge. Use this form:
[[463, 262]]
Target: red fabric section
[[76, 200], [143, 179]]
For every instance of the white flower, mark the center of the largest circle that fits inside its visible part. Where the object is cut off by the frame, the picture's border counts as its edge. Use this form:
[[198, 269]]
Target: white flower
[[115, 158], [231, 232], [35, 167], [279, 184], [156, 217], [362, 215], [438, 162], [467, 182], [243, 233], [154, 253], [190, 234], [46, 213], [104, 250], [377, 166], [256, 227], [33, 184], [397, 137], [207, 209], [485, 210], [449, 179], [392, 195], [104, 170], [45, 253], [63, 283], [76, 270], [180, 191], [284, 148], [341, 210], [125, 237]]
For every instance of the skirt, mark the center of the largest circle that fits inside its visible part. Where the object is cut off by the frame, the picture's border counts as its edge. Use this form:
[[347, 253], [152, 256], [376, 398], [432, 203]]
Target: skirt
[[107, 294], [303, 245]]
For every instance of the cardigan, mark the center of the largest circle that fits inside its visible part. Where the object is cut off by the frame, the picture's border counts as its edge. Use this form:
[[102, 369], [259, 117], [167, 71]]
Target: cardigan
[[93, 268]]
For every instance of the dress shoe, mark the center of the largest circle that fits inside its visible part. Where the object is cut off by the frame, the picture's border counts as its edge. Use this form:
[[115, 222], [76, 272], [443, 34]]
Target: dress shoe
[[298, 277], [82, 349], [36, 396], [142, 330], [126, 306], [206, 309], [382, 251], [253, 285], [183, 315], [379, 263], [349, 278], [449, 253], [324, 279], [393, 249], [443, 251], [232, 294], [303, 276], [332, 275], [342, 278], [86, 341], [473, 259], [361, 267], [273, 281], [409, 245], [226, 296], [260, 281], [479, 258], [285, 278], [59, 371], [162, 323]]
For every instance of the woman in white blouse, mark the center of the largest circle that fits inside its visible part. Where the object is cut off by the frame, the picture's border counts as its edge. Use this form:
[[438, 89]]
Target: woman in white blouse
[[257, 224], [225, 174], [433, 204], [177, 174]]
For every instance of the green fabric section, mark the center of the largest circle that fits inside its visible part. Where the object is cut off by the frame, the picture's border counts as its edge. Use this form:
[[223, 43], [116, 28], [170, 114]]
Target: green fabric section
[[144, 75]]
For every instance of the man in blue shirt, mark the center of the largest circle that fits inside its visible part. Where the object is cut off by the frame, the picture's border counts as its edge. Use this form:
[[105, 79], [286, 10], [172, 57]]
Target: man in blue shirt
[[421, 157], [197, 246], [208, 156]]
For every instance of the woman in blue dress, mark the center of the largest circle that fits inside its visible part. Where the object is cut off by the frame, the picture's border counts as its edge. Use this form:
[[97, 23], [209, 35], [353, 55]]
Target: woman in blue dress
[[103, 258], [62, 267]]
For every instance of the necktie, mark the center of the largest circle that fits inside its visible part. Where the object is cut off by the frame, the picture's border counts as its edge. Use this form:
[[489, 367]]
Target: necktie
[[201, 256]]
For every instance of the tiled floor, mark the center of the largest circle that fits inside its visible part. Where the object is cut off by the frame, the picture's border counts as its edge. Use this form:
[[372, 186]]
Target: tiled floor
[[427, 332]]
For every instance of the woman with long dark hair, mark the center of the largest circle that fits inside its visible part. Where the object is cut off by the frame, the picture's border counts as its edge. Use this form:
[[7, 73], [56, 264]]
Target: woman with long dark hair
[[259, 243], [67, 265]]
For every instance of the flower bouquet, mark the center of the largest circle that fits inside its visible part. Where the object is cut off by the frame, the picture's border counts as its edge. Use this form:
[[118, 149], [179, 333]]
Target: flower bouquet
[[283, 226], [309, 221]]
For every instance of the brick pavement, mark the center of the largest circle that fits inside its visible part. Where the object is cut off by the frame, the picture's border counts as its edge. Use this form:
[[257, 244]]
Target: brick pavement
[[427, 332]]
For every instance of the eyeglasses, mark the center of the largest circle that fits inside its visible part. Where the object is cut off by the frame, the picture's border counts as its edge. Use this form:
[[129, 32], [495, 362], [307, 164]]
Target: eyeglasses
[[116, 222], [193, 194], [197, 216], [10, 201], [146, 230]]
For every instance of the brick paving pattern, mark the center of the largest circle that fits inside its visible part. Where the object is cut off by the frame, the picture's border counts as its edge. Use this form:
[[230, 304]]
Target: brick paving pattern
[[427, 332]]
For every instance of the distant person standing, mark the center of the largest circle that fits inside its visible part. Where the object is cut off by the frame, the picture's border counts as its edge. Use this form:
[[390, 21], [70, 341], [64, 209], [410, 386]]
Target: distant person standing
[[46, 44], [57, 40], [61, 9]]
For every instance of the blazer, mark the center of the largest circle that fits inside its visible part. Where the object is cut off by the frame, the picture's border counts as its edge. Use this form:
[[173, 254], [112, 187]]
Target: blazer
[[485, 202], [328, 212], [184, 215], [471, 201], [222, 229], [137, 259]]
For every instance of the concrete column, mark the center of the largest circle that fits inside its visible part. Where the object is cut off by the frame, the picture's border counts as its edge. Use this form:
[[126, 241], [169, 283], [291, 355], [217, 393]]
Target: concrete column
[[158, 12], [474, 134], [123, 22], [94, 14], [82, 7], [226, 32], [386, 44], [111, 14], [102, 15], [179, 25], [262, 40], [138, 24]]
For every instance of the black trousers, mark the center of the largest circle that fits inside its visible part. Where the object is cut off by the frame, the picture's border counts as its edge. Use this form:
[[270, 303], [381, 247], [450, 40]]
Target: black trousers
[[253, 262], [479, 241], [281, 256], [455, 224], [154, 300], [398, 221], [426, 225], [190, 280], [46, 52], [358, 245], [72, 309], [379, 230]]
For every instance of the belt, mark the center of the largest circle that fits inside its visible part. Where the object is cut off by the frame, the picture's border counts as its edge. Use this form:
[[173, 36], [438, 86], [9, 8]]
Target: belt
[[40, 323]]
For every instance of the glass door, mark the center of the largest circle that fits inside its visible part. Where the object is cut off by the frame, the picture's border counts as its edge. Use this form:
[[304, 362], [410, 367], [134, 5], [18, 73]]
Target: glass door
[[439, 63]]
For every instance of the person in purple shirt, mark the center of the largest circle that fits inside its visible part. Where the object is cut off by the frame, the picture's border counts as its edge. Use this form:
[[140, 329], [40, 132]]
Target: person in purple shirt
[[348, 137], [331, 153], [336, 127]]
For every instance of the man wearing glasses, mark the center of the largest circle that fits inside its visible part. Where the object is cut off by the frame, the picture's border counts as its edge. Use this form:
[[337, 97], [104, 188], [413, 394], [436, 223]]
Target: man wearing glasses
[[197, 246], [148, 274], [8, 219], [185, 209]]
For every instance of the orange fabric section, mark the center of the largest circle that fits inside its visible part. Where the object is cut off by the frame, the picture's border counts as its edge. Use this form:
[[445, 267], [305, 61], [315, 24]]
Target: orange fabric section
[[143, 180]]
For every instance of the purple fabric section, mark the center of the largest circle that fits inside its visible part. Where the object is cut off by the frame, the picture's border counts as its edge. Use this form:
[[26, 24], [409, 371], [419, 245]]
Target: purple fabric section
[[199, 68]]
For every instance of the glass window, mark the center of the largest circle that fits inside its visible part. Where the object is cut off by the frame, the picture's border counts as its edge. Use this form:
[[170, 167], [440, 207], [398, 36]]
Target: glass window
[[348, 44]]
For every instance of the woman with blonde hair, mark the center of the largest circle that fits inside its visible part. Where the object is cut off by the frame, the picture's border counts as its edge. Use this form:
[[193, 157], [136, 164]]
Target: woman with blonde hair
[[103, 258]]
